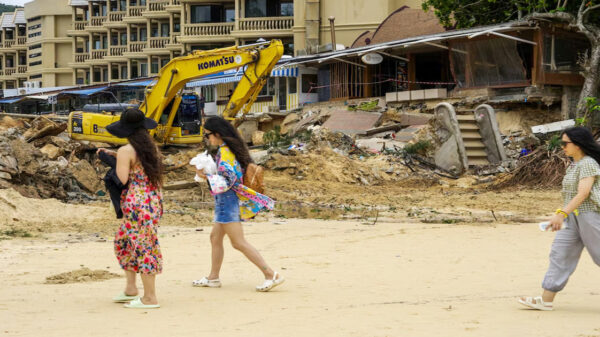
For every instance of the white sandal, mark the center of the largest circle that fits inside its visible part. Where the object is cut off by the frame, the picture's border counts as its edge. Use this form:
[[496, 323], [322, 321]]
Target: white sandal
[[270, 284], [536, 303], [205, 282]]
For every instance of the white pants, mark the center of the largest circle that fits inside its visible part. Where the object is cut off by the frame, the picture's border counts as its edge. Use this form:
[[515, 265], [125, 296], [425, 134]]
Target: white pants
[[583, 231]]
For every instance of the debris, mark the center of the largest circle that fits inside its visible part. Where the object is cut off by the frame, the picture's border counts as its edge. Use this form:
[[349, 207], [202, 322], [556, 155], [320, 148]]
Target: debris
[[52, 151], [258, 138], [553, 127], [352, 123], [540, 169]]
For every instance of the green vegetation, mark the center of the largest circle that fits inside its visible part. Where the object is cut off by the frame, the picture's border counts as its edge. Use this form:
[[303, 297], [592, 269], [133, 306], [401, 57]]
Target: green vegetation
[[274, 138], [16, 233], [7, 8], [419, 147]]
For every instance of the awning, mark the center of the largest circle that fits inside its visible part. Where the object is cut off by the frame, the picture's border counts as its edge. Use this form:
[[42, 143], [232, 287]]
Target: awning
[[142, 83], [41, 97], [11, 100], [236, 77], [83, 92]]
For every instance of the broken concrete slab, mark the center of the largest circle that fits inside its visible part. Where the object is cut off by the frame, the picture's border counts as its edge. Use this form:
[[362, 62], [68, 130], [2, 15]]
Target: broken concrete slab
[[377, 145], [258, 138], [85, 174], [52, 151], [247, 129], [409, 134], [352, 122], [553, 127], [289, 122]]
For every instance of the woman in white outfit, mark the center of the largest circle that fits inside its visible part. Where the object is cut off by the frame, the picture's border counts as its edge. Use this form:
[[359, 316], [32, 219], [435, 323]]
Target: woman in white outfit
[[578, 221]]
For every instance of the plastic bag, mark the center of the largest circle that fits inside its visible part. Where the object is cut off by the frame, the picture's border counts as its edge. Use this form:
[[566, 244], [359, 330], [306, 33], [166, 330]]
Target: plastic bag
[[205, 162]]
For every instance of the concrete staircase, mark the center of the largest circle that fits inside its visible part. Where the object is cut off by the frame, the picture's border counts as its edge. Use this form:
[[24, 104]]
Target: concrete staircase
[[476, 154]]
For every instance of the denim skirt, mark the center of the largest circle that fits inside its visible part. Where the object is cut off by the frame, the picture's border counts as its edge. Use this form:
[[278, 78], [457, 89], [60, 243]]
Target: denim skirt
[[227, 207]]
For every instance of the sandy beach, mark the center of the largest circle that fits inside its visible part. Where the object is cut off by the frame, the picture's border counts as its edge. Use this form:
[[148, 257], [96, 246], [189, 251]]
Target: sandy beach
[[344, 278]]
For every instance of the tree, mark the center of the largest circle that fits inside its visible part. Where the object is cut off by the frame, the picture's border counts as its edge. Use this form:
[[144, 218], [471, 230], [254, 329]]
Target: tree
[[581, 15]]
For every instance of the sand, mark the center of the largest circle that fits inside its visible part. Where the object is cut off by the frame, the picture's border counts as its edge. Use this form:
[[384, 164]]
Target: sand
[[343, 279]]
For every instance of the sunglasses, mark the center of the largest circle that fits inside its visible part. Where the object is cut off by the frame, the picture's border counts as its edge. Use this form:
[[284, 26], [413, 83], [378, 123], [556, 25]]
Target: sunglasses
[[563, 143], [207, 134]]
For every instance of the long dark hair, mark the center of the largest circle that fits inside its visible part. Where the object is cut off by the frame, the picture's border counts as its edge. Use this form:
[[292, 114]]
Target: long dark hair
[[147, 153], [583, 138], [231, 137]]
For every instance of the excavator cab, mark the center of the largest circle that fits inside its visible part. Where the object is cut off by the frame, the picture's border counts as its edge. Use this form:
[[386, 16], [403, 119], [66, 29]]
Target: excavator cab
[[187, 120]]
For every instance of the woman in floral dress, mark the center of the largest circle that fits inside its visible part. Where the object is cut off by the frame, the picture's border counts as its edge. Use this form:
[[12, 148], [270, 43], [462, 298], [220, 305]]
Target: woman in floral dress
[[136, 242]]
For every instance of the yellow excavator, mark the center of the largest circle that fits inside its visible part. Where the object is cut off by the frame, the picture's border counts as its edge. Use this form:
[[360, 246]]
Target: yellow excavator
[[163, 100]]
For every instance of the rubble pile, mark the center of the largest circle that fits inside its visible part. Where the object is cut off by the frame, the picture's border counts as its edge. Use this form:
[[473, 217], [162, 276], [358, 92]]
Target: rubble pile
[[39, 161]]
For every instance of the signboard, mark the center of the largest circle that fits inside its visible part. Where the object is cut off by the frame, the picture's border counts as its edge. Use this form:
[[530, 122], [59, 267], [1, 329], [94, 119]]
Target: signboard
[[372, 58], [53, 99]]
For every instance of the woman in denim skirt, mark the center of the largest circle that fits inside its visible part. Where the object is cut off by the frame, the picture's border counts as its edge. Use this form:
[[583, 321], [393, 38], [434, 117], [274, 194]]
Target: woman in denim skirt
[[578, 221], [234, 202]]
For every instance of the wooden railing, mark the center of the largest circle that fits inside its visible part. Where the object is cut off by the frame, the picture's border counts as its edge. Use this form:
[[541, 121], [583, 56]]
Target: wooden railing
[[157, 5], [159, 42], [116, 16], [135, 10], [79, 25], [9, 43], [97, 21], [214, 29], [22, 40], [268, 23], [117, 50], [10, 71], [99, 54], [22, 69], [81, 57], [137, 47]]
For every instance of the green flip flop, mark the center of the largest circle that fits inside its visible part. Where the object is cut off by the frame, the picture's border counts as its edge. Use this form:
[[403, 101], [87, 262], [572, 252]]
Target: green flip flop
[[122, 298]]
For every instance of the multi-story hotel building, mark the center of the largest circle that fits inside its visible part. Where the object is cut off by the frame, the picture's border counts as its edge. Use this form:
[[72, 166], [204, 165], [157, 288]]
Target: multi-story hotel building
[[74, 42]]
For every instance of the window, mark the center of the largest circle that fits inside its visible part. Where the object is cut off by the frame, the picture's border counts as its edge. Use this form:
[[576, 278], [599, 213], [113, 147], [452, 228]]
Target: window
[[35, 46], [123, 39], [154, 31], [176, 27], [34, 19], [563, 58], [144, 69], [36, 63], [134, 34], [207, 13], [154, 66], [230, 15], [164, 62], [292, 87], [123, 4], [114, 39], [34, 27], [286, 9], [308, 81], [33, 77], [164, 30], [123, 72], [143, 34], [32, 56], [115, 73], [256, 8], [209, 93], [269, 88]]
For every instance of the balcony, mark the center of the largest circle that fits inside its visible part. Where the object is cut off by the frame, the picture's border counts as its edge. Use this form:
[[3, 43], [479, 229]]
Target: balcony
[[22, 40], [137, 47], [174, 6], [81, 57], [99, 54], [270, 23], [10, 71], [22, 69], [1, 72], [96, 23], [115, 19], [117, 50], [158, 42], [134, 14], [8, 44], [207, 31], [78, 28], [156, 9]]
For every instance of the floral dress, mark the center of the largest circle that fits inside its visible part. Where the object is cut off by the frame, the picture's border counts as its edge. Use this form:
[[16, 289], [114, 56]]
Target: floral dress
[[230, 177], [136, 242]]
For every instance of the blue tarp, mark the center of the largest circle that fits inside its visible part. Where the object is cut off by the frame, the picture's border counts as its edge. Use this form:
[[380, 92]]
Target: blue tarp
[[10, 100], [143, 83], [84, 92]]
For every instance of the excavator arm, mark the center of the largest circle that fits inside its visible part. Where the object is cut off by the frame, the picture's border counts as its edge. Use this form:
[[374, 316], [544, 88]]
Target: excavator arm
[[256, 60]]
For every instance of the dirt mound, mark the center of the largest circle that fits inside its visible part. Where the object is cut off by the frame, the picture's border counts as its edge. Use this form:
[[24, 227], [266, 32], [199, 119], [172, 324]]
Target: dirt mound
[[27, 213], [81, 275]]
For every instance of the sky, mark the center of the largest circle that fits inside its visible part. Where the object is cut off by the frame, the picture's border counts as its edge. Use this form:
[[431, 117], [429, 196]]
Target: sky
[[14, 2]]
